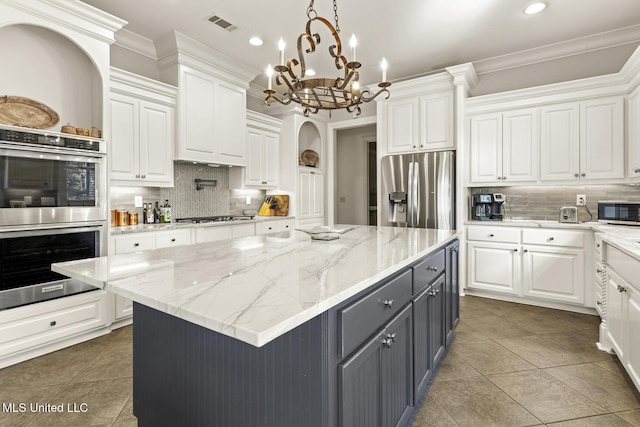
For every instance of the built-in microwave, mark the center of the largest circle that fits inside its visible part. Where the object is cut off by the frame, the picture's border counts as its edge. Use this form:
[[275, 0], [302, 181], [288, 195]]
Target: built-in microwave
[[619, 212]]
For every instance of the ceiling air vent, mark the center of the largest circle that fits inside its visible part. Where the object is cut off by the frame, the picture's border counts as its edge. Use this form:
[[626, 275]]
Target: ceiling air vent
[[222, 23]]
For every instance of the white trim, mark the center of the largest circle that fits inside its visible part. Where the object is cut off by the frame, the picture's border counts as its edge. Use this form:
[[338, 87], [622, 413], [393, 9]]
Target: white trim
[[136, 44], [332, 128], [126, 83]]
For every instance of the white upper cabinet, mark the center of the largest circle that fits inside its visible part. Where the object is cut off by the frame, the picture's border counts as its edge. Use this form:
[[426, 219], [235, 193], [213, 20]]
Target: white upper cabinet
[[141, 131], [583, 141], [263, 153], [211, 119], [504, 147], [634, 136], [420, 123]]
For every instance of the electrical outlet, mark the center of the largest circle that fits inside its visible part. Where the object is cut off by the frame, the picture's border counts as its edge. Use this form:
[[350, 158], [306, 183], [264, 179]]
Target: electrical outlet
[[137, 201], [248, 200], [581, 200]]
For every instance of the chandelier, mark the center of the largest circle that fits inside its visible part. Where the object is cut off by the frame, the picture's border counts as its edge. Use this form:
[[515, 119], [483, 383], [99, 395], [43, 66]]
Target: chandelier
[[315, 94]]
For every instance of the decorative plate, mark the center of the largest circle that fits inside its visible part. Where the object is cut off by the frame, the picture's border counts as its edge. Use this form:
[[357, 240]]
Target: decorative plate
[[309, 158], [25, 112]]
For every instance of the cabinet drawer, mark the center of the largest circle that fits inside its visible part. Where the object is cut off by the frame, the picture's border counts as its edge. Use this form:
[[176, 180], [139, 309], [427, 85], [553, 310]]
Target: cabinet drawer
[[39, 324], [360, 319], [274, 226], [553, 237], [426, 271], [494, 234], [243, 230], [134, 243], [212, 234], [165, 239]]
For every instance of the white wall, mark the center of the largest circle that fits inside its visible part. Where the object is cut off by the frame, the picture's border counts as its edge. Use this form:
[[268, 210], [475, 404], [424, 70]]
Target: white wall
[[40, 64], [133, 62], [352, 154]]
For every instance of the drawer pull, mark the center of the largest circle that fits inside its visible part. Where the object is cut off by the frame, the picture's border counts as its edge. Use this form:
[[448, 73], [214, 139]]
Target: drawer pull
[[269, 228], [388, 303], [622, 289], [576, 175], [515, 250], [637, 170], [389, 340], [490, 235], [550, 239], [429, 268], [434, 293], [525, 250], [53, 323], [286, 226], [136, 244], [583, 174], [173, 240]]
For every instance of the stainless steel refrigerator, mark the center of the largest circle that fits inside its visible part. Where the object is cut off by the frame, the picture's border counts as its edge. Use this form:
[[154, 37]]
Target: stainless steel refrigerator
[[418, 190]]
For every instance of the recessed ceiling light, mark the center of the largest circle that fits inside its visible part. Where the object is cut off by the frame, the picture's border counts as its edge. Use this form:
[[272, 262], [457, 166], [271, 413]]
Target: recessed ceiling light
[[535, 8], [310, 72], [255, 41]]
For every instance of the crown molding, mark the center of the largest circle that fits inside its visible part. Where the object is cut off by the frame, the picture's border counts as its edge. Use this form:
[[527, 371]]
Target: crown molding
[[464, 75], [631, 70], [176, 48], [567, 48], [125, 82], [136, 44], [72, 14]]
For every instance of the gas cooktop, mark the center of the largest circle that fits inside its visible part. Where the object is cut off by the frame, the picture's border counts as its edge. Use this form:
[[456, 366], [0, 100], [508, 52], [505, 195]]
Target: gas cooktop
[[218, 218]]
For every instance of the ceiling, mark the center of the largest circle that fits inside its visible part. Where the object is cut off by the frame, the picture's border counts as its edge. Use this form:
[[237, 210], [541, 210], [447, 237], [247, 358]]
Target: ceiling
[[415, 36]]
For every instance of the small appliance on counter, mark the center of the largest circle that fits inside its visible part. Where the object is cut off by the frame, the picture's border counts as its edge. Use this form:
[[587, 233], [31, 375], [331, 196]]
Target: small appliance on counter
[[619, 212], [569, 214], [487, 207]]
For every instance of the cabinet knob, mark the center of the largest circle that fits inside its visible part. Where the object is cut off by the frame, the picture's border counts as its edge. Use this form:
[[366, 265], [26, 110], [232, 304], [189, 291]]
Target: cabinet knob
[[597, 245], [599, 302], [429, 268], [432, 293], [388, 303], [286, 226], [504, 177], [264, 182], [53, 323], [499, 177], [415, 146], [515, 250], [583, 174], [525, 250], [173, 240], [490, 235], [622, 289], [599, 270], [136, 244], [550, 239], [637, 170], [269, 228], [576, 175], [137, 175], [144, 176], [388, 340]]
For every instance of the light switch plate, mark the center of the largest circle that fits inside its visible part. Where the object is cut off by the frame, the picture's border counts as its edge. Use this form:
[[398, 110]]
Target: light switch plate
[[137, 201]]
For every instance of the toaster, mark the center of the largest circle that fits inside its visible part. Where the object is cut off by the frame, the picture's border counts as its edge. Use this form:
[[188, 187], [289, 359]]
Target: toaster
[[569, 214]]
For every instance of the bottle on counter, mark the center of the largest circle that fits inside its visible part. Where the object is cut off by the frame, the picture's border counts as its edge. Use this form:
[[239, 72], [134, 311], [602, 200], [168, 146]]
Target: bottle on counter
[[150, 215], [167, 211], [144, 213], [157, 213]]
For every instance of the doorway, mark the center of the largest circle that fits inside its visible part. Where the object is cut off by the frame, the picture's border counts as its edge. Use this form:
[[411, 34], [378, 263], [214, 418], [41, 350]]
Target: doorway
[[356, 171]]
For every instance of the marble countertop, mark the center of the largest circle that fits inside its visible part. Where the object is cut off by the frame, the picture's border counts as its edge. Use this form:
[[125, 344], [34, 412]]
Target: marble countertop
[[258, 288], [141, 228], [535, 224]]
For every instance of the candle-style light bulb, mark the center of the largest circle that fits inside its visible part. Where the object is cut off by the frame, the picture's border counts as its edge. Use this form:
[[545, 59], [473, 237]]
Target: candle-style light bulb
[[281, 48], [384, 66], [269, 75], [353, 43]]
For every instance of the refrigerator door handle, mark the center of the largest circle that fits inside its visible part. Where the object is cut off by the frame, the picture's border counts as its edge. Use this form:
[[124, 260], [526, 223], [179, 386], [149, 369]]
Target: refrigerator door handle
[[410, 196], [416, 191]]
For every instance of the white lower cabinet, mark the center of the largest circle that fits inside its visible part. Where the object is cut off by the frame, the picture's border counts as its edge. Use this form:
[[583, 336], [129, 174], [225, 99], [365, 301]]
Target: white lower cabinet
[[623, 309], [212, 234], [36, 329], [494, 267], [534, 264], [274, 226]]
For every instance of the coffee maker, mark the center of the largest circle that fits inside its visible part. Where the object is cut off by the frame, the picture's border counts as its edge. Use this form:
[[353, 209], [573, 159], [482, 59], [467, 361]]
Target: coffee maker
[[487, 207]]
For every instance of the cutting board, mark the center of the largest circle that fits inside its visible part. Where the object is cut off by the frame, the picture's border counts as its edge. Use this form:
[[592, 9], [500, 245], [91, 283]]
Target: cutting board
[[275, 205]]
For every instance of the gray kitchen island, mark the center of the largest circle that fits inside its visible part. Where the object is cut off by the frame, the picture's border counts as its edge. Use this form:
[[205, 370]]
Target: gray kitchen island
[[279, 330]]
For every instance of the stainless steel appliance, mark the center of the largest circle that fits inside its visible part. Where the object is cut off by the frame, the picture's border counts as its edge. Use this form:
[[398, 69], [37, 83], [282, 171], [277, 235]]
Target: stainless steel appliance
[[217, 218], [53, 208], [487, 207], [419, 190], [569, 214], [619, 212]]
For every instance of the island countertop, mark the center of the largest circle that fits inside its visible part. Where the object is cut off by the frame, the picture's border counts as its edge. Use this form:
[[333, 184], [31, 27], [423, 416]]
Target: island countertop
[[257, 288]]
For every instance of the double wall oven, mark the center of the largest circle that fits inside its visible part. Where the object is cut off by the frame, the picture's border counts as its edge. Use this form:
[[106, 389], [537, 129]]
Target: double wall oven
[[53, 208]]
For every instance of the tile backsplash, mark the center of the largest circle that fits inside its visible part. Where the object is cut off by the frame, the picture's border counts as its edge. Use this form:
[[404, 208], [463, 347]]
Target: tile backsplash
[[185, 200], [544, 203]]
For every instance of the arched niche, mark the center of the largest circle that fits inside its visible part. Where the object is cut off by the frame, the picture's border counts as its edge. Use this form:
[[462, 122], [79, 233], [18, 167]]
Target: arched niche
[[43, 65], [309, 139]]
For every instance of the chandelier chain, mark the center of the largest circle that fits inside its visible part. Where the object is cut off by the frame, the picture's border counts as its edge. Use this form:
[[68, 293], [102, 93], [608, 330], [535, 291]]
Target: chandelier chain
[[335, 15]]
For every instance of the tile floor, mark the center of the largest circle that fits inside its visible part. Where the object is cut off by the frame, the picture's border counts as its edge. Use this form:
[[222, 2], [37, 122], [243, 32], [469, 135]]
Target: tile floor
[[510, 365], [520, 365]]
